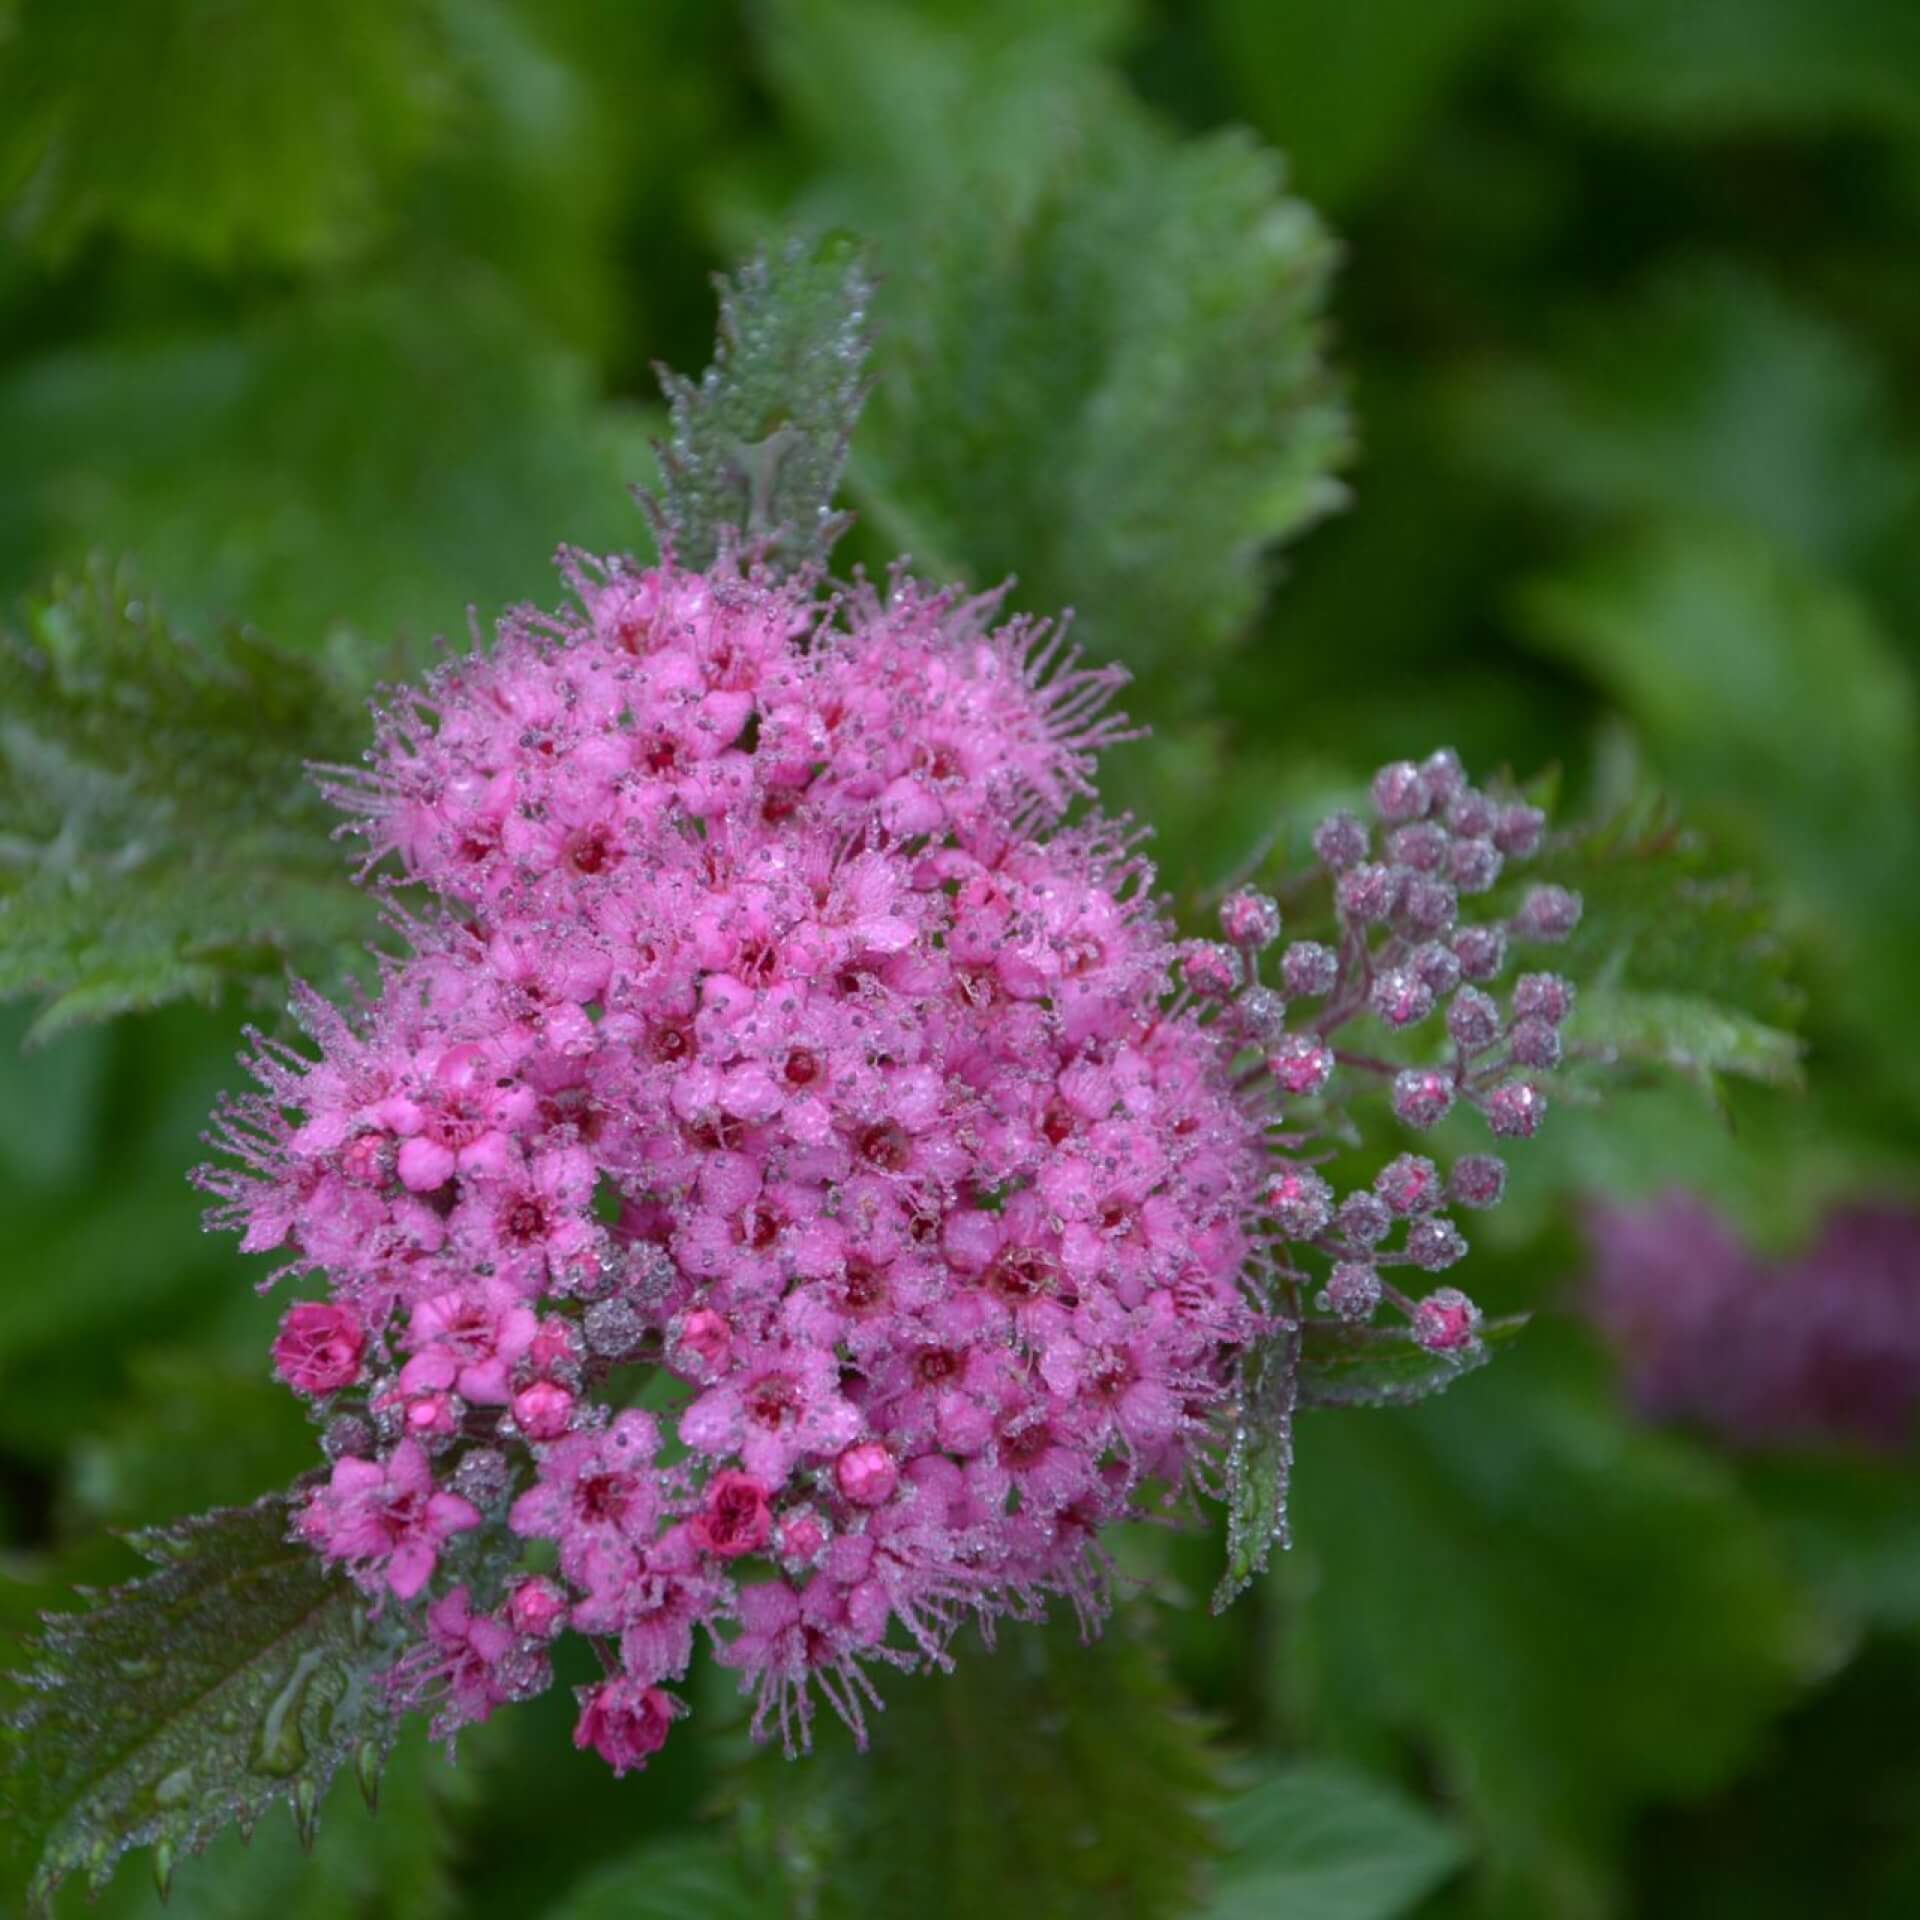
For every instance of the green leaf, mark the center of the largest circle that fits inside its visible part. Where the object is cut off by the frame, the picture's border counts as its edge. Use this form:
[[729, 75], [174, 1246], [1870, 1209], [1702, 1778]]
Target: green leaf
[[396, 1865], [1045, 1777], [1685, 1033], [1710, 393], [1568, 1616], [670, 1880], [195, 1431], [158, 835], [1346, 89], [1101, 362], [267, 132], [1313, 1841], [375, 456], [1851, 1528], [1342, 1365], [1716, 67], [758, 446], [239, 1675], [1259, 1462]]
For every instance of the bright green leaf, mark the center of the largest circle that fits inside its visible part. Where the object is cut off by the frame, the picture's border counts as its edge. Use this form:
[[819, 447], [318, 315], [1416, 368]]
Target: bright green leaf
[[1101, 362], [377, 457], [238, 1676], [158, 834], [1684, 1033], [268, 131], [1318, 1842]]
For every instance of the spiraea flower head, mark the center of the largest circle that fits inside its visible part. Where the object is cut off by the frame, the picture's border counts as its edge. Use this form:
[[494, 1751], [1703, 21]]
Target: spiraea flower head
[[777, 1032]]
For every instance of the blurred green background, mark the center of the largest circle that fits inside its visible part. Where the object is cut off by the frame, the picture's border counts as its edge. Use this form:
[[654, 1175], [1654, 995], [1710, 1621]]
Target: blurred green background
[[336, 319]]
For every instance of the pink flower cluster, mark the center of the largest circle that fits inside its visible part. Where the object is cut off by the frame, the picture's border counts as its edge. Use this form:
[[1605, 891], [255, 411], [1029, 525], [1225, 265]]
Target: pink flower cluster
[[1822, 1347], [785, 1195]]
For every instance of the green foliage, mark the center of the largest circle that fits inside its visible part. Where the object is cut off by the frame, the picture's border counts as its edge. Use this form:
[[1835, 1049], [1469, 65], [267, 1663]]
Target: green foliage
[[1714, 67], [1259, 1463], [673, 1878], [758, 445], [1571, 1617], [1348, 1366], [380, 457], [1711, 394], [1101, 364], [272, 131], [1317, 1842], [160, 835], [240, 1675], [1062, 1777]]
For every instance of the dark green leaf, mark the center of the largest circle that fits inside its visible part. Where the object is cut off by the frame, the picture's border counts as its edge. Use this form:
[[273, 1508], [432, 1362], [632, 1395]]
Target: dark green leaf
[[1349, 1366], [239, 1675], [1685, 1033], [268, 132], [1259, 1462], [758, 444], [1721, 66], [1569, 1616], [158, 834], [1318, 1842], [1046, 1776], [1101, 363], [673, 1880], [1712, 393]]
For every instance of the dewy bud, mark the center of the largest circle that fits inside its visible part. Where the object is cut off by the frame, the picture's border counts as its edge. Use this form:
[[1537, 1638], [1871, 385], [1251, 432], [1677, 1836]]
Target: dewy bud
[[1427, 906], [1422, 846], [1422, 1096], [1340, 841], [1542, 996], [1535, 1044], [1300, 1065], [1547, 913], [1446, 778], [1400, 792], [1300, 1202], [1435, 1244], [1363, 1219], [1475, 865], [1446, 1321], [1352, 1290], [1482, 951], [1473, 1020], [1438, 967], [1367, 894], [1262, 1014], [1210, 970], [1250, 920], [1409, 1184], [1400, 997], [1309, 970], [1472, 815], [1479, 1180], [1519, 831], [1515, 1111]]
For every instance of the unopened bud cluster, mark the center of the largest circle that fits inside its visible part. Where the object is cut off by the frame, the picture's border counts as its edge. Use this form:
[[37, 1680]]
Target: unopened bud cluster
[[1408, 998]]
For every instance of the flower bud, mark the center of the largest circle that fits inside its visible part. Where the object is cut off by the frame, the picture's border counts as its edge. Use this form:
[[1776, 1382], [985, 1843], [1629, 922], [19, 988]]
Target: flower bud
[[1208, 969], [1475, 865], [1262, 1014], [1352, 1290], [1479, 1180], [1300, 1203], [1542, 996], [1340, 841], [1367, 894], [1519, 831], [1400, 997], [1250, 920], [1482, 951], [1473, 1020], [1300, 1064], [1308, 970], [1409, 1184], [1435, 1244], [1421, 846], [1422, 1097], [1535, 1044], [1400, 791], [1363, 1219], [1547, 914], [1514, 1112], [1446, 1321]]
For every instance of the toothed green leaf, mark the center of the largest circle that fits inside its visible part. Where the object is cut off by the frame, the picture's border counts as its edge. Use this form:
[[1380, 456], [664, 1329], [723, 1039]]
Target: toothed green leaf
[[159, 838], [240, 1675], [758, 443], [1259, 1462], [1348, 1366]]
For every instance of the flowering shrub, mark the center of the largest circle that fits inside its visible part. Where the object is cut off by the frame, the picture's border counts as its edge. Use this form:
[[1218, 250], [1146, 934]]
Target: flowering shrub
[[781, 1040]]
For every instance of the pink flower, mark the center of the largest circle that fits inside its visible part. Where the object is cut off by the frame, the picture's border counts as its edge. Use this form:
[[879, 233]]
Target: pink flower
[[477, 1333], [319, 1347], [624, 1723], [387, 1520], [734, 1516]]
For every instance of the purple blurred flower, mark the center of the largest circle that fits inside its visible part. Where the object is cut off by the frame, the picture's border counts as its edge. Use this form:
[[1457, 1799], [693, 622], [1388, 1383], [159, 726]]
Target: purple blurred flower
[[1764, 1352]]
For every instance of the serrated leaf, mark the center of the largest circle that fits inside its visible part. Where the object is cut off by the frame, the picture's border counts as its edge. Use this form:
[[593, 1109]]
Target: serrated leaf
[[1348, 1366], [262, 132], [758, 444], [158, 834], [1313, 1841], [1101, 362], [1569, 1617], [1260, 1461], [1685, 1033], [1044, 1776], [238, 1676]]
